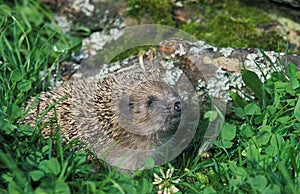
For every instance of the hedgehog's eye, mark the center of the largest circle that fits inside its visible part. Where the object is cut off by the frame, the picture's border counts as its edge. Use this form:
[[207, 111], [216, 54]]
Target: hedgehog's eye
[[177, 106], [149, 103], [131, 105]]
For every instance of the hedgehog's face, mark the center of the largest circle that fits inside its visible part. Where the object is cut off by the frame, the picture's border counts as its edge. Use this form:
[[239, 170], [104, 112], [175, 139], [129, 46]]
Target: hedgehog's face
[[152, 107]]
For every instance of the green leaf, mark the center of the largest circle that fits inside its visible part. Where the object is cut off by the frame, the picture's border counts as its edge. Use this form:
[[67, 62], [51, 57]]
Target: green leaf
[[228, 132], [262, 138], [280, 86], [283, 119], [50, 166], [211, 115], [14, 112], [237, 170], [271, 150], [26, 130], [218, 143], [14, 188], [291, 70], [145, 186], [271, 110], [41, 190], [24, 85], [297, 110], [297, 75], [277, 141], [44, 166], [6, 126], [246, 131], [252, 109], [266, 128], [253, 82], [237, 99], [259, 119], [272, 189], [61, 188], [7, 177], [294, 83], [209, 190], [258, 183], [240, 112], [54, 166], [252, 153], [36, 175], [16, 76], [226, 143], [290, 90]]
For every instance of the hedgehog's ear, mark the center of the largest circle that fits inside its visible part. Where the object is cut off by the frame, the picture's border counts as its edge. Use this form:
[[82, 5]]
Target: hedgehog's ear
[[126, 105]]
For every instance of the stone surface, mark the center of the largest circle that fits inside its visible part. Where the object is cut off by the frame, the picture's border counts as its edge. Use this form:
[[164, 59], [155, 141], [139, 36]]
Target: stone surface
[[212, 68], [294, 3]]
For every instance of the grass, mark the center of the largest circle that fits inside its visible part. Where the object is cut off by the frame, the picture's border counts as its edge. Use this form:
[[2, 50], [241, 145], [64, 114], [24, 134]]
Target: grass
[[257, 151]]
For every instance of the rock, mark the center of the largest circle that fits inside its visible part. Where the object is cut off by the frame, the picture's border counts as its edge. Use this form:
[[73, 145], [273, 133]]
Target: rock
[[219, 68], [86, 15], [293, 3], [176, 53]]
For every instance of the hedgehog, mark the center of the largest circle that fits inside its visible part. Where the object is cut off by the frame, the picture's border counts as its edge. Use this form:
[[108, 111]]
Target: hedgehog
[[119, 117]]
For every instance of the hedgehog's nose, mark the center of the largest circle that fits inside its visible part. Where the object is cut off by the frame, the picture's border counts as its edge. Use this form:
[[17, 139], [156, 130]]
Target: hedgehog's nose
[[177, 106]]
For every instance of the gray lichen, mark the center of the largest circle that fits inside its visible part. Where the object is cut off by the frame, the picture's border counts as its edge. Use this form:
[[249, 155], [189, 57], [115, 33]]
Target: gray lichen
[[63, 23], [95, 43], [218, 85], [226, 52], [83, 5], [180, 51], [257, 63]]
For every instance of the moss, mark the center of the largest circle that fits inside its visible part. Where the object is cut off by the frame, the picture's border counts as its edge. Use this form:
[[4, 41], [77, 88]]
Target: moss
[[222, 23], [234, 24], [160, 11]]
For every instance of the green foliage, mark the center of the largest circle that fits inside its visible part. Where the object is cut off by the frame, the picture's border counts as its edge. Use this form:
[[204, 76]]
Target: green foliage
[[228, 133], [27, 56], [258, 147], [264, 159], [31, 48], [33, 164], [253, 82]]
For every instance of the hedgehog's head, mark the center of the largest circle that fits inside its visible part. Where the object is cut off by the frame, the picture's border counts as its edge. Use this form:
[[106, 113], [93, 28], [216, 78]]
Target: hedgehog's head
[[150, 108]]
